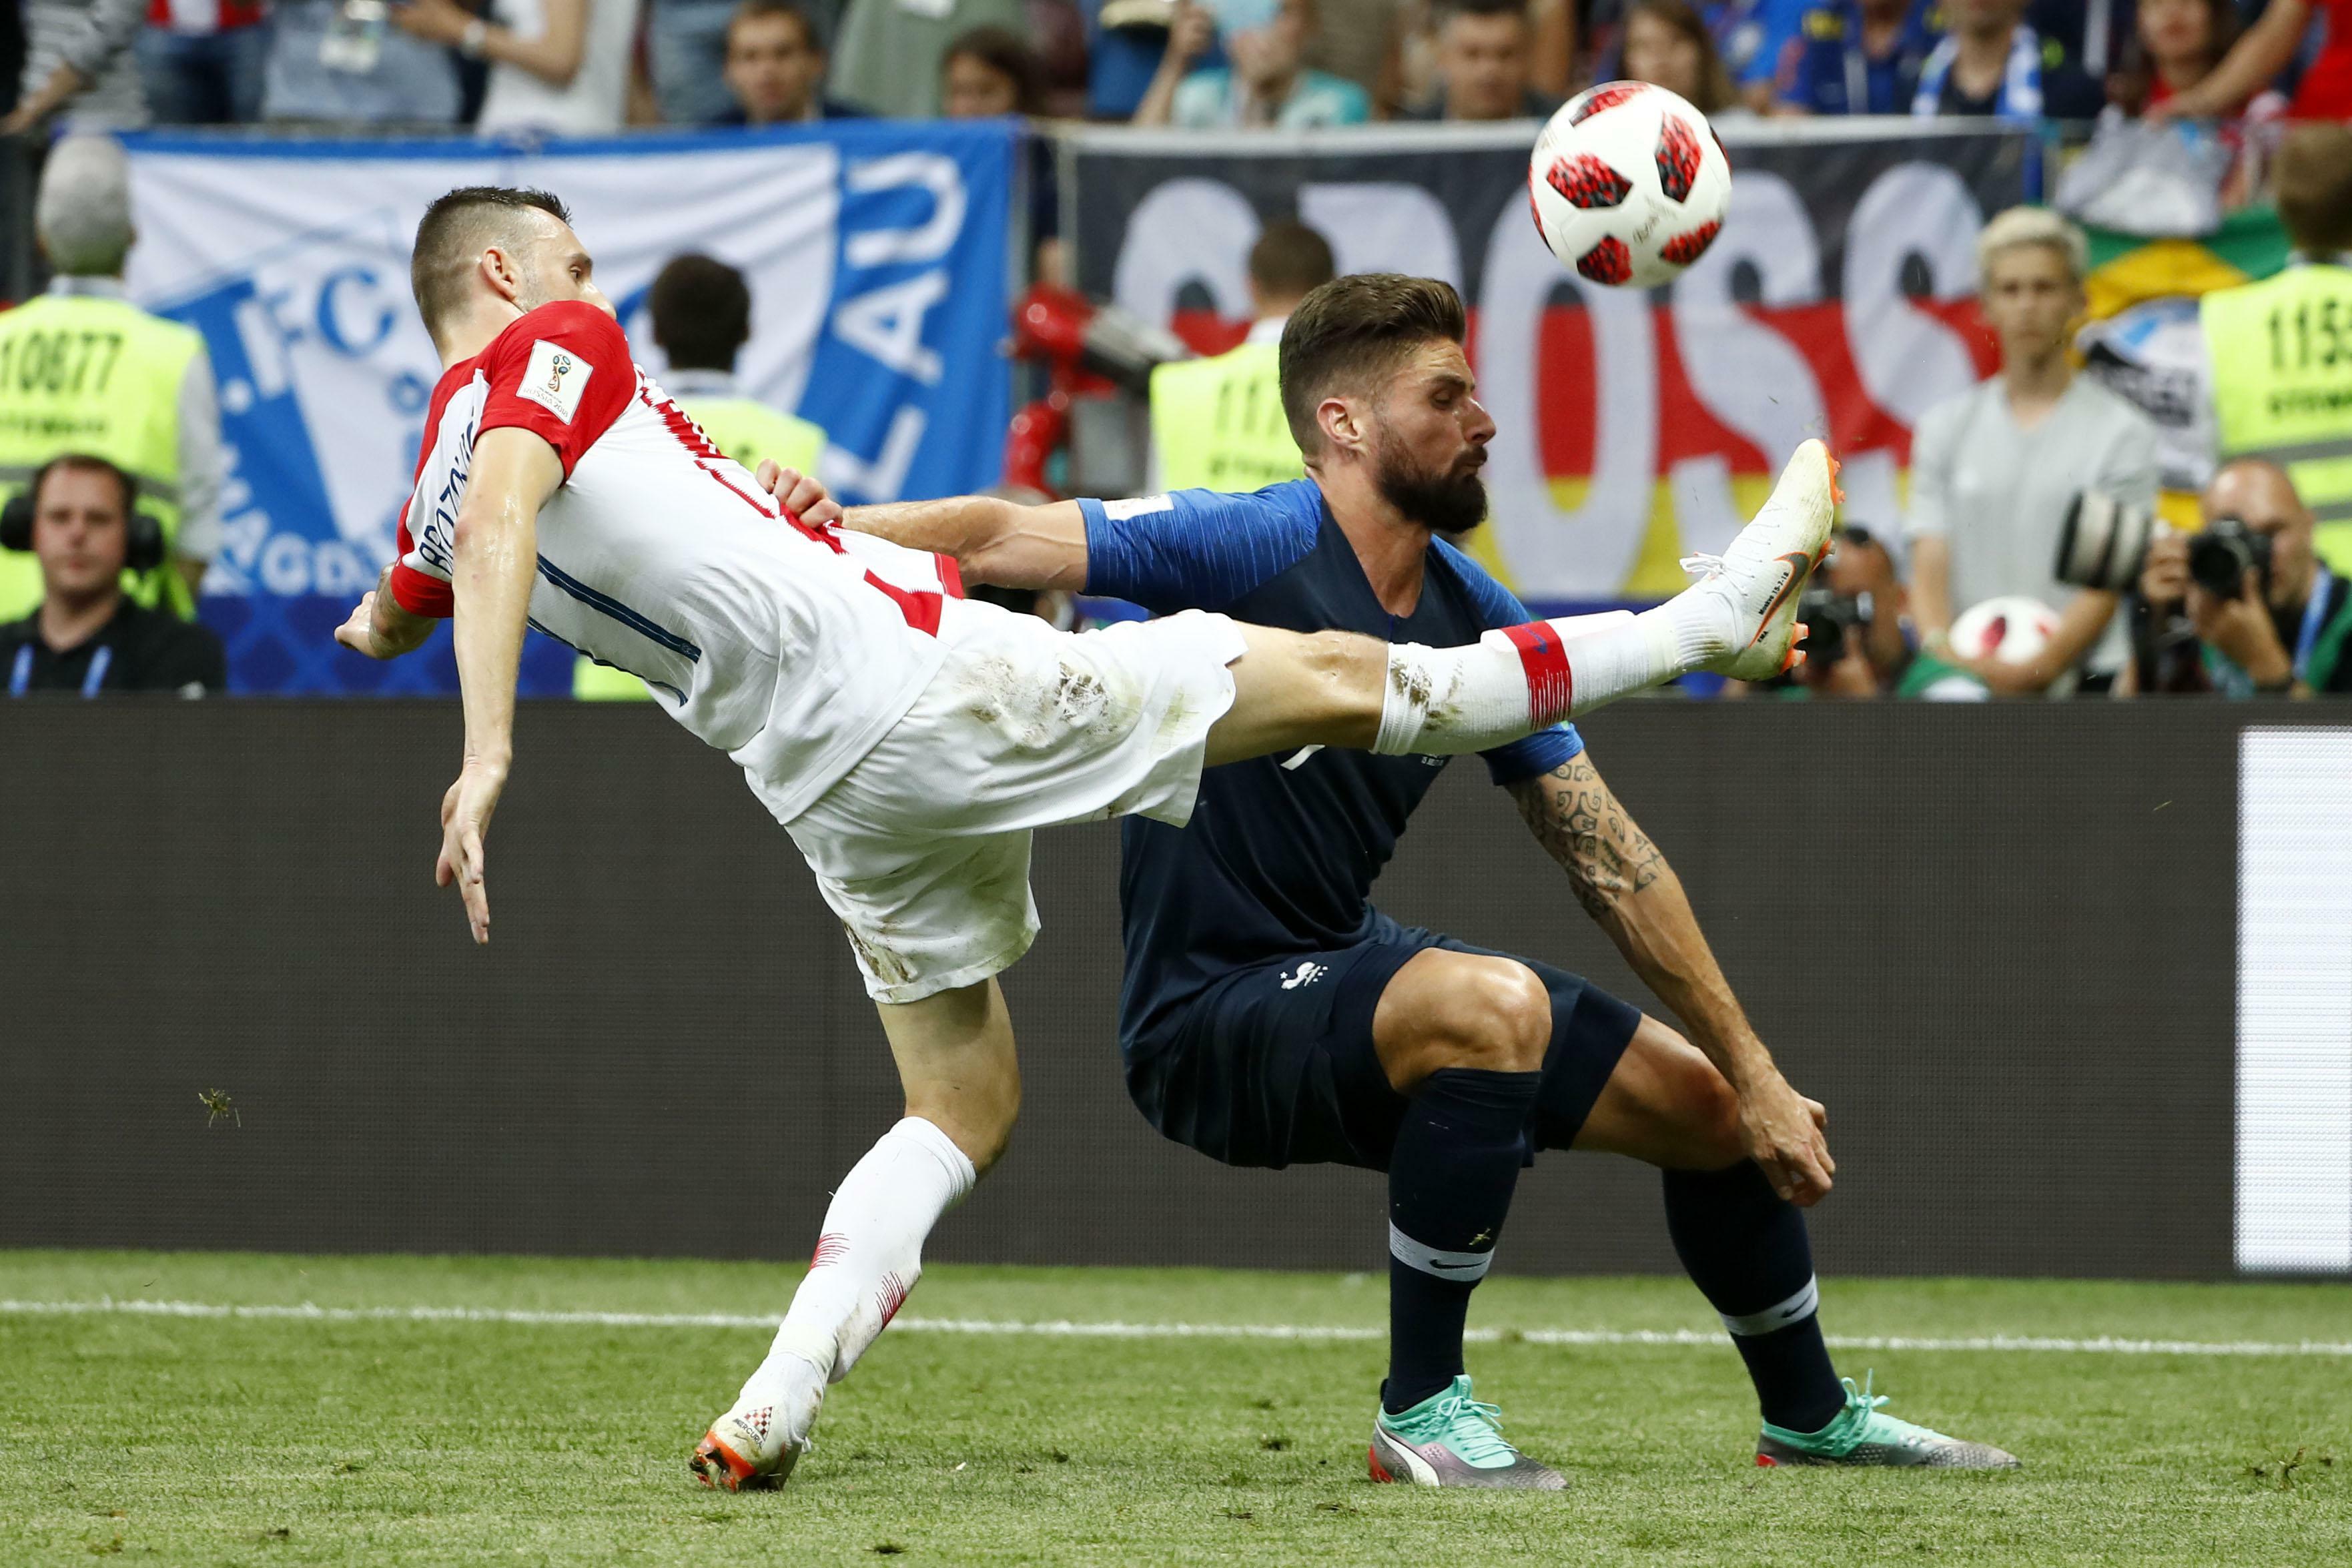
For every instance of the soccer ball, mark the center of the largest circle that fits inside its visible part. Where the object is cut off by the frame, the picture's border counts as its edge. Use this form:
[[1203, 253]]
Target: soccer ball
[[2011, 628], [1629, 184]]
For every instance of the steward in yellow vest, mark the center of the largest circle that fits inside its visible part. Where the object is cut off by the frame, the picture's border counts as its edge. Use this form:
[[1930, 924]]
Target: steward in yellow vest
[[84, 370], [1218, 423], [702, 313], [2280, 350]]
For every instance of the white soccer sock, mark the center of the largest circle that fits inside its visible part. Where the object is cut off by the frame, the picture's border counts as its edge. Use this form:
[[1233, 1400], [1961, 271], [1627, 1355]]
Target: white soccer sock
[[869, 1258], [1443, 701]]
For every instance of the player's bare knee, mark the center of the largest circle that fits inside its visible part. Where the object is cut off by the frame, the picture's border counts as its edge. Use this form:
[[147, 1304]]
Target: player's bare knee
[[1498, 1018], [1345, 671], [1710, 1113]]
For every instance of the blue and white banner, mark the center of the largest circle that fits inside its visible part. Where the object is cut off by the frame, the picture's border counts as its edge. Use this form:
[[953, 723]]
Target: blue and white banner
[[876, 255]]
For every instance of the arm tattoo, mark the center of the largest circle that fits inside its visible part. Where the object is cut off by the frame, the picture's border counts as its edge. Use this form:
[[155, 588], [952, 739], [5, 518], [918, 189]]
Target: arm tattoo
[[1580, 823]]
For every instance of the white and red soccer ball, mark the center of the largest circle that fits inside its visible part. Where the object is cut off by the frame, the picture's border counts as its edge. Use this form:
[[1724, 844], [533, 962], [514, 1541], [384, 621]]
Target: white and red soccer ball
[[1629, 184], [2011, 628]]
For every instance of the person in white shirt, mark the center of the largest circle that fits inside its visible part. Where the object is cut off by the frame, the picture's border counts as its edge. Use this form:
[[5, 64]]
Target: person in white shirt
[[1994, 471], [907, 737], [559, 67]]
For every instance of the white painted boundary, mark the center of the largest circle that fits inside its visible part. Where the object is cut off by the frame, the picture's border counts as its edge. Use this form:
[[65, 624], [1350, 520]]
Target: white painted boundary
[[309, 1313]]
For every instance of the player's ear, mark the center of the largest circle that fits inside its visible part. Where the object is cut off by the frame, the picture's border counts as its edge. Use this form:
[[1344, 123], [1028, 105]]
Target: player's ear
[[1338, 420], [501, 269]]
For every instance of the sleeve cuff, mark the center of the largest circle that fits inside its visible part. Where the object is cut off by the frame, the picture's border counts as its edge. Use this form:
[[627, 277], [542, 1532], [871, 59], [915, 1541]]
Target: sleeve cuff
[[421, 595]]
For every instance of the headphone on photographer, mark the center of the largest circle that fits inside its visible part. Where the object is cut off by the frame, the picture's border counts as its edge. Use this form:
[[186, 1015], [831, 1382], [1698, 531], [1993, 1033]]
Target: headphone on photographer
[[142, 535]]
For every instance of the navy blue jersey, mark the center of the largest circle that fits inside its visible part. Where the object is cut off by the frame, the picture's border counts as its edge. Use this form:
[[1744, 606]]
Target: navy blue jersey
[[1281, 852]]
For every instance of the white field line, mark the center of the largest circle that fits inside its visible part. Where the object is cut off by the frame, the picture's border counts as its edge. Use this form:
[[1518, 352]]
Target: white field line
[[310, 1312]]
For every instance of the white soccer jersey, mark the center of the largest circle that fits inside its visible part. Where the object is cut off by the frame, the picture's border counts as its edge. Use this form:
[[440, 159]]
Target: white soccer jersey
[[791, 648]]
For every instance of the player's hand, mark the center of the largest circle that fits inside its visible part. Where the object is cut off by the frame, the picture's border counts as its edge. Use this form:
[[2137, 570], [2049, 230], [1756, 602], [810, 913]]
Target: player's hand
[[802, 495], [465, 818], [1785, 1133], [358, 633]]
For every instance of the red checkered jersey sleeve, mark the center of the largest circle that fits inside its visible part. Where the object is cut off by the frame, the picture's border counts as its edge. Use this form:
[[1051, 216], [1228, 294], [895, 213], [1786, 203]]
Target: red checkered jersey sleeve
[[418, 592], [562, 373]]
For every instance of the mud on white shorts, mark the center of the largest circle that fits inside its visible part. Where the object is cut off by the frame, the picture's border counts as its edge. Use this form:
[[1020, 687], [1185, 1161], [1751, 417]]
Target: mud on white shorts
[[922, 848]]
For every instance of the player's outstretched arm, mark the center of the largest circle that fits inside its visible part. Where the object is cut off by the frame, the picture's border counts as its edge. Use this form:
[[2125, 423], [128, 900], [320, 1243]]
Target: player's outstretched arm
[[1625, 885], [992, 540], [379, 627], [495, 560]]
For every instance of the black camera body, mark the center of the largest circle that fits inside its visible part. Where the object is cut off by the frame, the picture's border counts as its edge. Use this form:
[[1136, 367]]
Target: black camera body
[[2220, 554], [1829, 617]]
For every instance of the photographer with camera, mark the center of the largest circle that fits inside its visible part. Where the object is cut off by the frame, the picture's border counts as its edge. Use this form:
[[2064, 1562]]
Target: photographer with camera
[[2245, 607], [1855, 642]]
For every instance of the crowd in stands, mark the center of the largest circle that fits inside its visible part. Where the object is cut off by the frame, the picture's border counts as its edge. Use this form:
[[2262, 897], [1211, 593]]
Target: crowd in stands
[[597, 66]]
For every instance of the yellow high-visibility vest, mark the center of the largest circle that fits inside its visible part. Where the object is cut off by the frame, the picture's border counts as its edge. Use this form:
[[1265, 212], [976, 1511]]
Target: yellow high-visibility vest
[[747, 432], [1217, 424], [2281, 356], [81, 372]]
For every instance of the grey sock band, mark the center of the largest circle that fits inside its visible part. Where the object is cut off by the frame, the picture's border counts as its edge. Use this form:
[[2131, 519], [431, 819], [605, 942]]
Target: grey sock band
[[1796, 1308], [1467, 1266]]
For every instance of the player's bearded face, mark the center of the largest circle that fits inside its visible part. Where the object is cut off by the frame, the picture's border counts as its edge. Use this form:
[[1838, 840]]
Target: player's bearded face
[[1447, 496]]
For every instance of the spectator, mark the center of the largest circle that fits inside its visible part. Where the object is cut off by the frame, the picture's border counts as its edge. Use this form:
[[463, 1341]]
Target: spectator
[[78, 63], [148, 405], [202, 62], [1858, 56], [2266, 49], [1483, 58], [2281, 627], [1992, 64], [339, 62], [1266, 84], [1217, 423], [1360, 41], [1995, 470], [2175, 44], [1667, 45], [990, 72], [776, 68], [888, 58], [685, 58], [1125, 41], [2277, 351], [562, 67], [86, 636]]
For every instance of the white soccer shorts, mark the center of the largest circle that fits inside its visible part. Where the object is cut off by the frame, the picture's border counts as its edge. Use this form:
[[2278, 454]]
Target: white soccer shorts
[[922, 848]]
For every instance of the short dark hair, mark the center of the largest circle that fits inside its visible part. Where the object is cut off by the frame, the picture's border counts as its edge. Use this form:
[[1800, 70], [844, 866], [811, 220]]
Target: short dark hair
[[88, 463], [1289, 259], [1006, 53], [452, 232], [1449, 9], [701, 312], [759, 10], [1354, 331], [2312, 175]]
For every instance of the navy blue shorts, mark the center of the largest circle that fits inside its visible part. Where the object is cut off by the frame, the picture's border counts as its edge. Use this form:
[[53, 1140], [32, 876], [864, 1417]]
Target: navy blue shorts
[[1274, 1066]]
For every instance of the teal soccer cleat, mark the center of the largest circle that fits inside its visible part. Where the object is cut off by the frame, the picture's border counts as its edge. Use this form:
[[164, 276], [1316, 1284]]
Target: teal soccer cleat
[[1451, 1440], [1860, 1435]]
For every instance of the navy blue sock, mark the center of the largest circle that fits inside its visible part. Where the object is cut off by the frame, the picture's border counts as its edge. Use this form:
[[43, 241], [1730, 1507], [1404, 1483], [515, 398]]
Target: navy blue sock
[[1457, 1157], [1746, 1250]]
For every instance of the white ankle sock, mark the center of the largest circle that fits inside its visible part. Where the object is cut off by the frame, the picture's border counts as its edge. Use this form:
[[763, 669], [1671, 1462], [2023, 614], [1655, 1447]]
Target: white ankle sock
[[1444, 702], [869, 1258]]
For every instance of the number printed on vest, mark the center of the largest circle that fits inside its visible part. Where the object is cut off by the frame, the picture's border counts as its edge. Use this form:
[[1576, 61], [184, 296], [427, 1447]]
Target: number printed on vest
[[2308, 336], [58, 362]]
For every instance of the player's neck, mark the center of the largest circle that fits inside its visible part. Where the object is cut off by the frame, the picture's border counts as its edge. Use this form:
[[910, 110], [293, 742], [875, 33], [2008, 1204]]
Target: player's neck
[[466, 335], [1391, 547]]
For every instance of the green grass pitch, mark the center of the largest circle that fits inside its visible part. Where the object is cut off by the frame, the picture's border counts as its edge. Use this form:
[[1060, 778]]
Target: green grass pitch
[[389, 1440]]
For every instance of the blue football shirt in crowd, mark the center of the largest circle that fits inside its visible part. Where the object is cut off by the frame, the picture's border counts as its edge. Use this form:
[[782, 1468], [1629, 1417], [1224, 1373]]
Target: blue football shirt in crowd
[[1282, 851], [1825, 69]]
